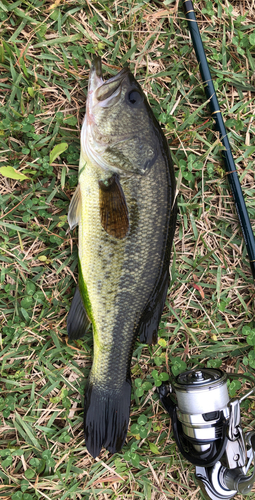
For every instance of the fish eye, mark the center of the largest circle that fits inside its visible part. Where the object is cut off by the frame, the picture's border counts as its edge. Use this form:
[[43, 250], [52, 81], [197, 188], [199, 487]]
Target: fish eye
[[134, 98]]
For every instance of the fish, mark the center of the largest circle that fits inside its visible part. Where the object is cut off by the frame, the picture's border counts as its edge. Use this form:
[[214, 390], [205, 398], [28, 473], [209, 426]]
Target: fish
[[125, 208]]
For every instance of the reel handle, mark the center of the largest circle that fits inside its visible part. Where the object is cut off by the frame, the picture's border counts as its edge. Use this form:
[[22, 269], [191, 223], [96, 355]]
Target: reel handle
[[235, 479]]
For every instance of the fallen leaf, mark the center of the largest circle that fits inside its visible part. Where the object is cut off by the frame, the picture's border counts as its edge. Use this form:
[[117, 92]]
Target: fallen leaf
[[57, 151], [11, 173], [200, 289]]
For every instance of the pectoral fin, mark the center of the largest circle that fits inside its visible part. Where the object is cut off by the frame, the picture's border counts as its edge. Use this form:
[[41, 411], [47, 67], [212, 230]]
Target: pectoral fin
[[113, 208], [74, 212], [77, 320]]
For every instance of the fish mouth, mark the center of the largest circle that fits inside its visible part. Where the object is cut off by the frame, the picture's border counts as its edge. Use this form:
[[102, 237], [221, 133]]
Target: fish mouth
[[104, 92]]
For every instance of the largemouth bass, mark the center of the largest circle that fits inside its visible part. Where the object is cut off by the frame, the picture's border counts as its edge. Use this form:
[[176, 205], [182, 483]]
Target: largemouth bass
[[125, 208]]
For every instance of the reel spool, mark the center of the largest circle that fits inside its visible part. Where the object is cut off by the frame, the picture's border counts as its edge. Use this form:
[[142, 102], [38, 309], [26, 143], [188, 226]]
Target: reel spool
[[207, 429]]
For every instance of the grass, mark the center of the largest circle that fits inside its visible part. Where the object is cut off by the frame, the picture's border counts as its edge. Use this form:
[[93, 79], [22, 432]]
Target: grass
[[208, 320]]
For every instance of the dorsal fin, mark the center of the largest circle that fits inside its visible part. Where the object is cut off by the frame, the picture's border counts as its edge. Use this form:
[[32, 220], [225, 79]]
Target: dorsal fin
[[148, 325], [113, 208], [150, 319]]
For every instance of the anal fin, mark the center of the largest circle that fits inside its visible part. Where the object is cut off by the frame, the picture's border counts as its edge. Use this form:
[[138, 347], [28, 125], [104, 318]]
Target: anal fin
[[77, 320]]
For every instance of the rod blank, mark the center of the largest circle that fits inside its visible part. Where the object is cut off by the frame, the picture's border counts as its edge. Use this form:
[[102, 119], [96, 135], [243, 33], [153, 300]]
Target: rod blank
[[227, 154]]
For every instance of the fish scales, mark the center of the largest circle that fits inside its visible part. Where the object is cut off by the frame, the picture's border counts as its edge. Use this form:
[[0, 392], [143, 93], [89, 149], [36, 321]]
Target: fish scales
[[120, 274], [126, 175]]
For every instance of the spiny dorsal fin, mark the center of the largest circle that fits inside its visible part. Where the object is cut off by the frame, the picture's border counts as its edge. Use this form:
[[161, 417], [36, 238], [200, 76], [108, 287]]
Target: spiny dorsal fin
[[113, 208], [77, 320], [74, 212]]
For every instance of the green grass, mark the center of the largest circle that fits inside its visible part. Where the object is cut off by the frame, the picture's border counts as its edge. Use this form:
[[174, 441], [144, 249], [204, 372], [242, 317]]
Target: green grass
[[45, 53]]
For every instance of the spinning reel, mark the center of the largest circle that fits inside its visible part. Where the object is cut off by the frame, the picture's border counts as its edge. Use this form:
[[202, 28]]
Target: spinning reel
[[207, 429]]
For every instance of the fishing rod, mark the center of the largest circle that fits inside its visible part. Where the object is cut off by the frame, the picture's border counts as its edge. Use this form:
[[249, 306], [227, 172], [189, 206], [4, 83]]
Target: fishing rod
[[227, 154]]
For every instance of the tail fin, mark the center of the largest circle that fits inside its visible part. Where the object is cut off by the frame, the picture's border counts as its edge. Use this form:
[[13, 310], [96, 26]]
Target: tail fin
[[106, 417]]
